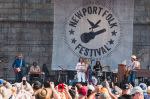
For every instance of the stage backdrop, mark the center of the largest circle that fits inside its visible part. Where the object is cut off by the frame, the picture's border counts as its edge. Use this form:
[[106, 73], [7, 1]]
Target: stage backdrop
[[94, 29]]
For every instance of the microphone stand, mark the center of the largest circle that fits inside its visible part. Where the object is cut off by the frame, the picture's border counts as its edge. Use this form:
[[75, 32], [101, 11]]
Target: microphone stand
[[59, 76]]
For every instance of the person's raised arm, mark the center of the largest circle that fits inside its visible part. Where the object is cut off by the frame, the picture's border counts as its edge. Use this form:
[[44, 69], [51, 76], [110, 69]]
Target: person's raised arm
[[67, 92], [55, 93], [109, 91], [76, 93]]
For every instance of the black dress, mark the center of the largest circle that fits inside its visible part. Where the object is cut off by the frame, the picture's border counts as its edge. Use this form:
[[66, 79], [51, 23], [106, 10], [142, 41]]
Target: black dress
[[97, 69]]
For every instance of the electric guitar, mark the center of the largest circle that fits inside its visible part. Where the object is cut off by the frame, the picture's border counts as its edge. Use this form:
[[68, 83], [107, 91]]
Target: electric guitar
[[17, 70]]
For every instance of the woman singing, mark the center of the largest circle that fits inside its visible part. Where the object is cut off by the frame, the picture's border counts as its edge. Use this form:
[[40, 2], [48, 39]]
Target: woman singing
[[81, 70]]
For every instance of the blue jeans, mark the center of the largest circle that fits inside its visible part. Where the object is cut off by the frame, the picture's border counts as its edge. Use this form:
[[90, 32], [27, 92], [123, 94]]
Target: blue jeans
[[132, 77], [18, 77]]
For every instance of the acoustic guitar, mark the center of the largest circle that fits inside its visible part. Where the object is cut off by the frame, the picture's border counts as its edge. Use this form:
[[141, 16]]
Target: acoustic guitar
[[127, 72], [86, 37]]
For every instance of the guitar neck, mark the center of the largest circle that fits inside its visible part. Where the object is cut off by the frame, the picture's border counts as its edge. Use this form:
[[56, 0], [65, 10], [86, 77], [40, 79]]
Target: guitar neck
[[100, 31]]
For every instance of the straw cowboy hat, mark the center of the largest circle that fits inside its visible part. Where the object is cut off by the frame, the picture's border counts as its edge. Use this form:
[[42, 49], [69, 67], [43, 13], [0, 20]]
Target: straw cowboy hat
[[133, 56], [44, 93]]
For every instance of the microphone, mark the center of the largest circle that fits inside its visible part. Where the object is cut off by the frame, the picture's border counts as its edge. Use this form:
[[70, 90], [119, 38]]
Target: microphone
[[61, 67]]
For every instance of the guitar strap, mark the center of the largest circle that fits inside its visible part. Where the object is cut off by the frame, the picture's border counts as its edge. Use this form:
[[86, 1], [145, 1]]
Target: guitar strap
[[20, 63], [133, 65]]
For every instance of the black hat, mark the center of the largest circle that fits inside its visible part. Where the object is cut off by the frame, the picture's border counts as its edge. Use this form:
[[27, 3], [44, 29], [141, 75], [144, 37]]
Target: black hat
[[37, 84], [125, 86]]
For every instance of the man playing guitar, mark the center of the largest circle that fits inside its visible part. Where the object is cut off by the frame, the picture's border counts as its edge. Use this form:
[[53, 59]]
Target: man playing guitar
[[131, 69], [17, 65]]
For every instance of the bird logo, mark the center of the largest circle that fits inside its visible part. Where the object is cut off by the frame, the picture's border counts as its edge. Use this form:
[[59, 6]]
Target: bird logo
[[93, 26]]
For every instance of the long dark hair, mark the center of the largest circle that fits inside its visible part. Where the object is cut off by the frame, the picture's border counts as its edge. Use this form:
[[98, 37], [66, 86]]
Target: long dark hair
[[82, 59], [98, 63]]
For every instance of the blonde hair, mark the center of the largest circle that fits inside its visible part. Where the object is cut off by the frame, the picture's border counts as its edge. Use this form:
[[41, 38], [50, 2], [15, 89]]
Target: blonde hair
[[19, 55], [87, 61]]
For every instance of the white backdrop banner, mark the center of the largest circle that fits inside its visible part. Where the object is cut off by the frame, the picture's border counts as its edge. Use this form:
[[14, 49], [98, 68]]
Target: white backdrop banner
[[94, 29]]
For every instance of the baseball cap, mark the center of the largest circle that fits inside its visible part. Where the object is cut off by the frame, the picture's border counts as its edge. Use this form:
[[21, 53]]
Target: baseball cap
[[91, 87], [1, 82], [125, 86], [143, 86]]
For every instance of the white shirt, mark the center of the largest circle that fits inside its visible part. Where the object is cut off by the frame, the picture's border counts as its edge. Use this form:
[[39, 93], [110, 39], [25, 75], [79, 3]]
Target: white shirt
[[133, 65], [81, 67], [34, 69]]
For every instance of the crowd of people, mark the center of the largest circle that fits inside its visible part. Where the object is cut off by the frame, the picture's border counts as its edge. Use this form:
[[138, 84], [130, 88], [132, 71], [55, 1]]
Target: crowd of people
[[78, 90], [85, 87]]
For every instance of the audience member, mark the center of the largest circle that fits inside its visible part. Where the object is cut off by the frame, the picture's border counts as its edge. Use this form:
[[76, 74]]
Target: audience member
[[148, 93], [45, 92], [36, 85], [144, 88], [137, 93], [80, 90], [125, 92]]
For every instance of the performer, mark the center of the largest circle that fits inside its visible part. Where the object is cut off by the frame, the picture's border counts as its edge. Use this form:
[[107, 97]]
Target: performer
[[131, 68], [88, 71], [17, 65], [46, 71], [97, 68], [35, 71], [81, 70]]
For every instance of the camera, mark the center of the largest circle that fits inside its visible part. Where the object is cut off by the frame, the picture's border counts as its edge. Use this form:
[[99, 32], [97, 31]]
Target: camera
[[61, 87], [24, 82], [97, 96]]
